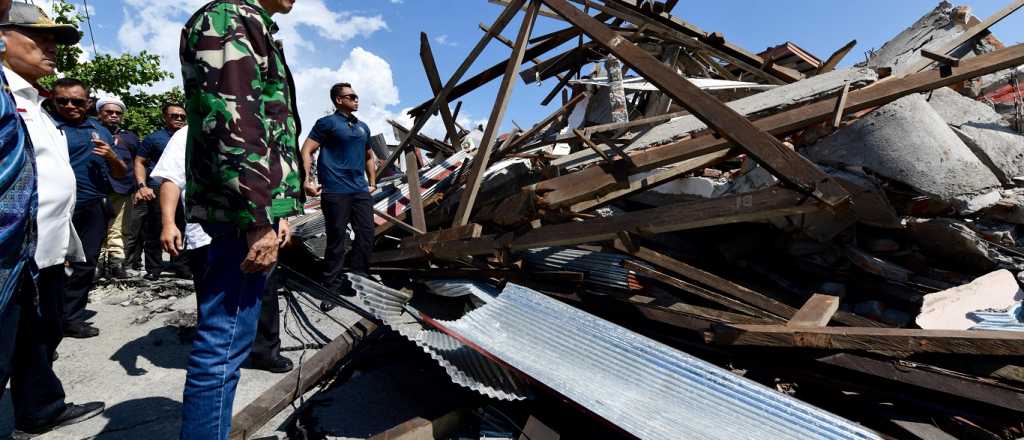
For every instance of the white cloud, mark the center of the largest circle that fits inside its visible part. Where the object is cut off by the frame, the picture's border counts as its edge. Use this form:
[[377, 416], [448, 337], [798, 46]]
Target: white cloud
[[156, 27], [444, 40]]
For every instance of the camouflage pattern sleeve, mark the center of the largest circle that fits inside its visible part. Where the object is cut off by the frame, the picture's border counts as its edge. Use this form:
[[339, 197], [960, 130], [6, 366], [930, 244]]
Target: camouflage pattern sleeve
[[242, 140]]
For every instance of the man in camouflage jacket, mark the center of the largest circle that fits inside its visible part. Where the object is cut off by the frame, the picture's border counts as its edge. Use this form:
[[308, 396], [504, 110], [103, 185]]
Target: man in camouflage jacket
[[243, 179]]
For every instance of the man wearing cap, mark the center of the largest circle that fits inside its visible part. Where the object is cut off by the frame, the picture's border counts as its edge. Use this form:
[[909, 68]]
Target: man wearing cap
[[31, 40], [242, 178], [112, 255], [95, 163]]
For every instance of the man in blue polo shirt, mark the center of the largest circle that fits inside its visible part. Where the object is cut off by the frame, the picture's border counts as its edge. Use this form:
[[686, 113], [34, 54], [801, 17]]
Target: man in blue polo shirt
[[343, 166], [147, 197], [95, 163]]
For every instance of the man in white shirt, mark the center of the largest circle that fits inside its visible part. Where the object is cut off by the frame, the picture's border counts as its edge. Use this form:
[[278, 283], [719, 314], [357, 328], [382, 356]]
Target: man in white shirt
[[31, 39], [170, 170]]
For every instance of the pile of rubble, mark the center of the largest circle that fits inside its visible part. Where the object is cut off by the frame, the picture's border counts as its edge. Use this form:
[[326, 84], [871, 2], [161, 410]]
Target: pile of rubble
[[707, 242], [166, 294]]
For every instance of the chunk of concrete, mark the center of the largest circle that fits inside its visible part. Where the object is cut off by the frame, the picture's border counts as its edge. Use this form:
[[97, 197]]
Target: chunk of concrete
[[984, 130], [907, 141], [956, 243], [948, 309], [934, 30]]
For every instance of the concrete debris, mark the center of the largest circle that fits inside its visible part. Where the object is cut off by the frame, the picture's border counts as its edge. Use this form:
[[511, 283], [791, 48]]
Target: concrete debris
[[983, 130], [933, 31], [949, 309], [954, 241], [933, 161]]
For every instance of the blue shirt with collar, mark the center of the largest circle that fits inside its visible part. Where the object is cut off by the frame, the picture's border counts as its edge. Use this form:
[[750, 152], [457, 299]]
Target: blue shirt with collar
[[125, 145], [152, 148], [92, 173], [344, 141]]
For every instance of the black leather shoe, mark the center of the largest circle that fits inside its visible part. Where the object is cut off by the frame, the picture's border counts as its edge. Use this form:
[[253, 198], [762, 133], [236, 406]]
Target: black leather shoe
[[72, 414], [151, 276], [279, 365], [81, 331]]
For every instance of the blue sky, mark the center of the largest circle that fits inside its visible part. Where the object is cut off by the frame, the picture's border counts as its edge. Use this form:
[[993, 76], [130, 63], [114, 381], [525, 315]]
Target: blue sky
[[374, 43]]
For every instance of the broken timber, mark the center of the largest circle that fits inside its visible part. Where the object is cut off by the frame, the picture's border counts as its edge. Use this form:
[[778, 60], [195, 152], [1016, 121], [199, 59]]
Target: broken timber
[[783, 162], [971, 34], [430, 68], [999, 343], [483, 154], [593, 181]]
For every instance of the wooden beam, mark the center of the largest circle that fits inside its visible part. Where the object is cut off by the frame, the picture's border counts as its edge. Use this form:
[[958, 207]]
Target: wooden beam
[[423, 141], [398, 222], [783, 162], [761, 205], [816, 312], [430, 67], [940, 58], [841, 105], [701, 292], [585, 184], [932, 378], [481, 159], [421, 120], [508, 43], [998, 343], [412, 178], [732, 289], [253, 416], [590, 144], [560, 86], [471, 230], [833, 60], [543, 124], [971, 34]]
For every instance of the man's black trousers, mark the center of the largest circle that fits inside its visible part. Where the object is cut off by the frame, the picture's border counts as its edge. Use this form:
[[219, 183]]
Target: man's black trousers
[[267, 345], [29, 335], [340, 210], [90, 220]]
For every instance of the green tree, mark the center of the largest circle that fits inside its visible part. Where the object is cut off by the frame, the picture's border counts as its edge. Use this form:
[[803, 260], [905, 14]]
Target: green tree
[[122, 75]]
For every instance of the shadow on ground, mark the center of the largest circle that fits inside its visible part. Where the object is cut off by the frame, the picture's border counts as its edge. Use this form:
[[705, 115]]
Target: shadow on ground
[[163, 347]]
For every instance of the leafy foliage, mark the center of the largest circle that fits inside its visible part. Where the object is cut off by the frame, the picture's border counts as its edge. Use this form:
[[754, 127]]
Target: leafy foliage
[[121, 75]]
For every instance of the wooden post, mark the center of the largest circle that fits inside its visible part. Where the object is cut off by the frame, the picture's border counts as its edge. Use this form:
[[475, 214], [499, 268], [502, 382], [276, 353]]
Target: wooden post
[[483, 154], [412, 177], [430, 67]]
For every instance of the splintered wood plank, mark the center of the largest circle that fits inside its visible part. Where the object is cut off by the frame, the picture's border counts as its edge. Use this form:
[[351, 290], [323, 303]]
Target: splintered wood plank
[[999, 343], [816, 312], [430, 67], [567, 107], [841, 105], [781, 161], [701, 292], [483, 154], [932, 378], [590, 144], [471, 230], [398, 222], [833, 61], [442, 96], [412, 178]]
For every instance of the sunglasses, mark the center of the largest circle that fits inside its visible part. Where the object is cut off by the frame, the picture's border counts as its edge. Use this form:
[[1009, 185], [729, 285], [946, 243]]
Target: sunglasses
[[177, 116], [351, 96], [112, 112], [73, 101]]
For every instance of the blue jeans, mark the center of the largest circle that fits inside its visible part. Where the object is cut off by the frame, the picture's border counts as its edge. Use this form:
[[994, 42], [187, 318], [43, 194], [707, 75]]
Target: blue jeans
[[229, 309]]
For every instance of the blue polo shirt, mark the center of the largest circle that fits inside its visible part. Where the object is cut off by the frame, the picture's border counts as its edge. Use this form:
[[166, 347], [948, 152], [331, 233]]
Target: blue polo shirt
[[92, 173], [152, 148], [125, 145], [344, 141]]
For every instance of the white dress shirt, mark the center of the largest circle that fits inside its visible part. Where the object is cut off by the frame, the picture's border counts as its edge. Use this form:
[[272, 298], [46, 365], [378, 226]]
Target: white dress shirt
[[58, 240], [171, 167]]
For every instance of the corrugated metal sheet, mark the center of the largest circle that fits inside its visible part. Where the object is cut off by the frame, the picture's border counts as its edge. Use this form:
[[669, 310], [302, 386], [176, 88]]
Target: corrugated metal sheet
[[601, 270], [463, 365], [1011, 320], [644, 387], [457, 288]]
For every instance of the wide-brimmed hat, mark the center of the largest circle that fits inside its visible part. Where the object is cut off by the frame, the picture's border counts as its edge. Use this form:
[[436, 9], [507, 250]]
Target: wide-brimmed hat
[[27, 16]]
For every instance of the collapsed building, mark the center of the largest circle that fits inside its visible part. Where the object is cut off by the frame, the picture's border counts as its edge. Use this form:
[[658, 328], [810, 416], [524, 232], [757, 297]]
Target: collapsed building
[[705, 242]]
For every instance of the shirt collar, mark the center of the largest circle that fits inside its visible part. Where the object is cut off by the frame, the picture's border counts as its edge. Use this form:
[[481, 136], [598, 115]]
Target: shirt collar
[[20, 87], [348, 116], [86, 123]]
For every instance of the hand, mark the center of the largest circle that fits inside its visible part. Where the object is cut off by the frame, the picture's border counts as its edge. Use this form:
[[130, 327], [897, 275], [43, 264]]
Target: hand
[[284, 232], [312, 188], [372, 189], [170, 239], [262, 254], [144, 194], [103, 150]]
